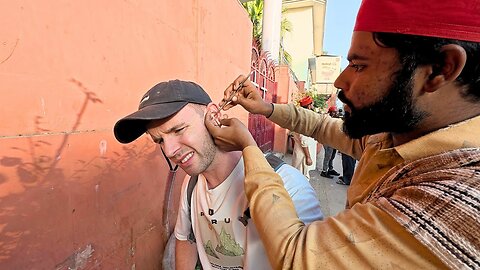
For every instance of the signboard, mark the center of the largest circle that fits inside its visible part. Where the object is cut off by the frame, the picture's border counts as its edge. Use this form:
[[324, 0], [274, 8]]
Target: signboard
[[327, 68]]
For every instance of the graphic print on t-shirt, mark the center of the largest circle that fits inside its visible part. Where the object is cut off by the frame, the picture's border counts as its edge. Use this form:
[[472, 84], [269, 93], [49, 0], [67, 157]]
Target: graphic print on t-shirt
[[227, 246], [221, 246]]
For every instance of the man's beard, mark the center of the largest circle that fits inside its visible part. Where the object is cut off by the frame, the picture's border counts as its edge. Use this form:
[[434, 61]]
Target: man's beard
[[206, 154], [396, 112]]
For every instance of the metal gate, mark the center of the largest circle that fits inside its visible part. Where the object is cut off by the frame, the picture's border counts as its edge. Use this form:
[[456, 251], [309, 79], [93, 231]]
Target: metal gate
[[263, 77]]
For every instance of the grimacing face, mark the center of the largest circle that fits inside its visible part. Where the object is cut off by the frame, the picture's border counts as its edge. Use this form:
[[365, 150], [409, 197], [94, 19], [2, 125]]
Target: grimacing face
[[185, 139], [377, 90]]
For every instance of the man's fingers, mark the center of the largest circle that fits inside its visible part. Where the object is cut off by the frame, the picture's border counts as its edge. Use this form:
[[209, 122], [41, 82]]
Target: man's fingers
[[226, 121], [242, 97], [227, 93], [238, 80], [211, 124]]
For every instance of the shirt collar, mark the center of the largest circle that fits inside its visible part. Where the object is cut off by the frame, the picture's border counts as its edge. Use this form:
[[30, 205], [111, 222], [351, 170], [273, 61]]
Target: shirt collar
[[460, 135]]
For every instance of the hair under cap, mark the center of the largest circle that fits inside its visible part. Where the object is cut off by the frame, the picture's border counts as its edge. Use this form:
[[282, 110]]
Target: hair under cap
[[451, 19]]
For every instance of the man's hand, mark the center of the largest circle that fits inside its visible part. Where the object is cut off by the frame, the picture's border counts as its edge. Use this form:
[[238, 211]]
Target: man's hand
[[248, 96], [232, 135], [308, 161]]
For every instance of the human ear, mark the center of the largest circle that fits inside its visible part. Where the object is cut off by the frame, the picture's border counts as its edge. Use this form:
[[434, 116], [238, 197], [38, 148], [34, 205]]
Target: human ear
[[448, 68], [214, 113]]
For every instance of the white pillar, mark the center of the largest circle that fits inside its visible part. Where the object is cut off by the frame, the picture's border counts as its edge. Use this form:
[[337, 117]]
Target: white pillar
[[272, 16]]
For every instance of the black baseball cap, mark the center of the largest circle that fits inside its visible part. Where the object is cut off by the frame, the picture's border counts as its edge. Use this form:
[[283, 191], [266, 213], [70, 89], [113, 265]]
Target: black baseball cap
[[162, 101]]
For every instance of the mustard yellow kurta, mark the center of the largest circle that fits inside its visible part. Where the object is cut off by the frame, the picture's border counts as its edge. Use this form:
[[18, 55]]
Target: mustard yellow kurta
[[363, 237]]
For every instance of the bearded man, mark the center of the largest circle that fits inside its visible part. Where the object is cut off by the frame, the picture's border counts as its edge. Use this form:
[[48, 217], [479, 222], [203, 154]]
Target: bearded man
[[412, 119]]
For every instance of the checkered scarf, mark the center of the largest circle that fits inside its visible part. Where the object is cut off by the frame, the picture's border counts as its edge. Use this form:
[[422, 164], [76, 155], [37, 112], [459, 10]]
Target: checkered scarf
[[437, 199]]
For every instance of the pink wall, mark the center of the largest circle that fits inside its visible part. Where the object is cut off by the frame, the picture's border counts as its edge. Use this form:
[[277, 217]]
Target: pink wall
[[286, 87], [71, 196]]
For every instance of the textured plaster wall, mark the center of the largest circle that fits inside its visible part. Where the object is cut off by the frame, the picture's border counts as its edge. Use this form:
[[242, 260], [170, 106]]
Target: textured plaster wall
[[71, 196]]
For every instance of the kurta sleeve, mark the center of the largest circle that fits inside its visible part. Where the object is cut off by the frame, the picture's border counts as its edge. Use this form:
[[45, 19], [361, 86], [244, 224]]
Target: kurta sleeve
[[321, 127], [363, 237]]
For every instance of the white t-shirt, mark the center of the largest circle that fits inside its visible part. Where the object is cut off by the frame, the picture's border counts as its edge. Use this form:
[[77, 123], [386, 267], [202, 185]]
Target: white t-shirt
[[224, 242]]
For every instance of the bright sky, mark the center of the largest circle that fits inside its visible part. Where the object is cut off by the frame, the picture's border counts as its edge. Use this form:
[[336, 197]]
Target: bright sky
[[339, 23]]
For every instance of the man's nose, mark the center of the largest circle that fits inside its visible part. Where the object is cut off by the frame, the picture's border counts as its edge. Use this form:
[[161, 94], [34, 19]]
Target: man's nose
[[340, 82], [171, 146]]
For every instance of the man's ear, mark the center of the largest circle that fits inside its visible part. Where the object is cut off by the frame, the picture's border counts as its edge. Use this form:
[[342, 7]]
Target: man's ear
[[214, 113], [448, 68]]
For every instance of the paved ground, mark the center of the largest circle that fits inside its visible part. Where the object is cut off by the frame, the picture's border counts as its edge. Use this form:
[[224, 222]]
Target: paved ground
[[331, 195]]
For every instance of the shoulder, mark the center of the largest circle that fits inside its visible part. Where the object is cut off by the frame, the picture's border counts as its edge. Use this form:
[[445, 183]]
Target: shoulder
[[292, 177], [185, 187], [185, 182], [379, 138]]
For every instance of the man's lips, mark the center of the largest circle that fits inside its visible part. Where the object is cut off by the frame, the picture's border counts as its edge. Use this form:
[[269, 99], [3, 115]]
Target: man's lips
[[185, 158], [346, 103]]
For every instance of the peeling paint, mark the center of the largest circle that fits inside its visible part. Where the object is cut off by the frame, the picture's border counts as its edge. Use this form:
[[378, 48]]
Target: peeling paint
[[103, 147], [78, 260]]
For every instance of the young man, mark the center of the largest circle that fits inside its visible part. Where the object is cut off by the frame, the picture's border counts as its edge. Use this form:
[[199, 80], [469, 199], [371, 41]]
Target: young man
[[172, 113], [412, 95]]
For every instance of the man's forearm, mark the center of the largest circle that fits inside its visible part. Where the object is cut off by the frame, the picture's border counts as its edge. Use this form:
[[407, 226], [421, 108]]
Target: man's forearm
[[186, 255], [362, 237], [306, 152], [321, 127]]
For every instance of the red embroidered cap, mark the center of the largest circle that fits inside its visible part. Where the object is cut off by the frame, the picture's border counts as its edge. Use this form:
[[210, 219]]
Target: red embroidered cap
[[332, 109], [306, 101], [452, 19]]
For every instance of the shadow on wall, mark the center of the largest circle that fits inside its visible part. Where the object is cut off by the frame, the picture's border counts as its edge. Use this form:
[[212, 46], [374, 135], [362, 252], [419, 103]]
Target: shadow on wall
[[43, 166], [75, 207]]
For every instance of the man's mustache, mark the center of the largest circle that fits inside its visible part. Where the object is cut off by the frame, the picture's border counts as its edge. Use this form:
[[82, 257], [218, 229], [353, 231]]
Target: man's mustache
[[341, 96]]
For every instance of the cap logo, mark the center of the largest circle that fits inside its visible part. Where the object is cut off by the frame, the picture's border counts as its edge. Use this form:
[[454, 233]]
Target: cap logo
[[145, 99]]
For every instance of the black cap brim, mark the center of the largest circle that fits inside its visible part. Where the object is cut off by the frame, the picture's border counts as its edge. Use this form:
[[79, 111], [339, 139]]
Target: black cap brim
[[131, 127]]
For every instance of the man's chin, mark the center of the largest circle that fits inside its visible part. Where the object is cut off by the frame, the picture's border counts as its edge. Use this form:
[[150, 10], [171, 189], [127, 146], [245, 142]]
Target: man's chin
[[352, 133], [191, 173], [357, 130]]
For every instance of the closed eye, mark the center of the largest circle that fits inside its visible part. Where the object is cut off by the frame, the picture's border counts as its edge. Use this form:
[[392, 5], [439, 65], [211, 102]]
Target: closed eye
[[179, 130]]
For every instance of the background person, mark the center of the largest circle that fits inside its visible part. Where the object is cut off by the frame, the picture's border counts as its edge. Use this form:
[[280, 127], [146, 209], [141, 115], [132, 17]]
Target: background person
[[172, 113], [348, 167], [329, 152], [304, 156]]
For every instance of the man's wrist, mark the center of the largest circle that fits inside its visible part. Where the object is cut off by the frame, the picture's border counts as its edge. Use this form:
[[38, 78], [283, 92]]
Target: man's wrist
[[249, 142], [269, 111]]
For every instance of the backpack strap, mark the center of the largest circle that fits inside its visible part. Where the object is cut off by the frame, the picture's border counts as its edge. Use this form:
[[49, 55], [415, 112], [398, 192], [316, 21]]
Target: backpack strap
[[274, 161], [191, 185]]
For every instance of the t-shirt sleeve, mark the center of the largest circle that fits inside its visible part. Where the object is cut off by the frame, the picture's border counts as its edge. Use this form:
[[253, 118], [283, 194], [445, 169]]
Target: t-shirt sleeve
[[183, 225]]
